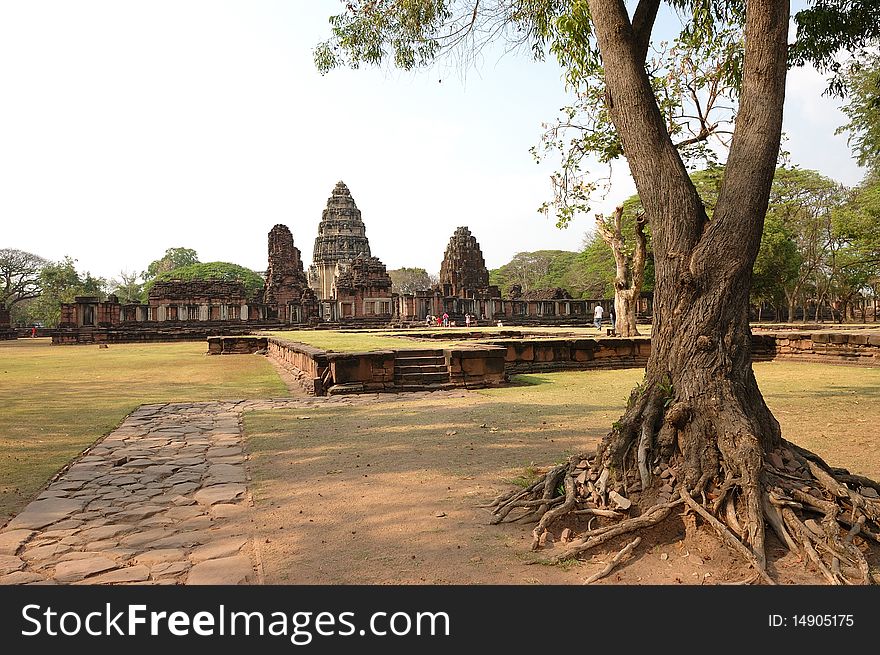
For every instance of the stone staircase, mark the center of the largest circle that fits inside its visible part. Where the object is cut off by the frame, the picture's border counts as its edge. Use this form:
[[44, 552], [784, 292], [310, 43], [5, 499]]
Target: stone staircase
[[421, 369]]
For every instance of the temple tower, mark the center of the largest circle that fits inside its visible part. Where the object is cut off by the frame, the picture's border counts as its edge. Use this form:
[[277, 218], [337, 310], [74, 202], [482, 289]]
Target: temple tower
[[463, 270], [286, 283], [341, 238]]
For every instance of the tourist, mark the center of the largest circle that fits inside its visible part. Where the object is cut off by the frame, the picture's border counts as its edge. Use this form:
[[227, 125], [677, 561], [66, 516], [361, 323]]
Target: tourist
[[612, 317], [467, 320], [439, 321], [428, 320], [445, 319], [500, 324], [34, 331], [597, 317]]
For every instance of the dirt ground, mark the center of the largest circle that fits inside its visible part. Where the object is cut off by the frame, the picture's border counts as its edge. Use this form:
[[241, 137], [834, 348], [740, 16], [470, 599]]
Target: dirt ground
[[339, 502]]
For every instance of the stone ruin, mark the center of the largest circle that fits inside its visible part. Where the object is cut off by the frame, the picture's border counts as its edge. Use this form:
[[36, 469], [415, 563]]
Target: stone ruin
[[6, 331], [342, 236], [362, 288], [287, 295], [463, 272], [344, 283]]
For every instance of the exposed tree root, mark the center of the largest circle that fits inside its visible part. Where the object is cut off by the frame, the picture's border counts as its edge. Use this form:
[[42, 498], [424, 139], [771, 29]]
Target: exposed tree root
[[626, 550], [825, 516]]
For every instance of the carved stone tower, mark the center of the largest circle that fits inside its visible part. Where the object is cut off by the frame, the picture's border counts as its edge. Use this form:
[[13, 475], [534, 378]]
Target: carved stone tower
[[463, 270], [286, 284], [341, 237]]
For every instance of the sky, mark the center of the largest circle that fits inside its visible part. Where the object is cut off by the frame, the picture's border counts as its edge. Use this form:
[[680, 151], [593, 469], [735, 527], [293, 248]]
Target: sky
[[129, 127]]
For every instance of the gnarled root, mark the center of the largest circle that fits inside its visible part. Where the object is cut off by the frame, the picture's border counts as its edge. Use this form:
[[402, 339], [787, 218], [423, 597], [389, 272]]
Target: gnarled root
[[825, 516]]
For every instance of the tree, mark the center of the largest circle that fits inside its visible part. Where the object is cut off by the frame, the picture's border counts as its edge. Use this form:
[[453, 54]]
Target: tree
[[173, 258], [629, 260], [252, 281], [540, 269], [410, 280], [60, 283], [804, 202], [20, 273], [128, 287], [698, 411], [863, 112], [777, 264]]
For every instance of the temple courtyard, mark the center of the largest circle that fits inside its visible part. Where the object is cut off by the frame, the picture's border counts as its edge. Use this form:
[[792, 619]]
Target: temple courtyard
[[155, 464]]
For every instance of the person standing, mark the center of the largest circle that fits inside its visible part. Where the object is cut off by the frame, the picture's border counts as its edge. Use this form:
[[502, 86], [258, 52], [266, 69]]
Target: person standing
[[467, 320], [445, 319], [613, 318], [597, 317]]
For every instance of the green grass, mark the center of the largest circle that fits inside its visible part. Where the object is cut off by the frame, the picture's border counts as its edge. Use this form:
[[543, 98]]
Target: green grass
[[358, 341], [57, 400], [350, 341]]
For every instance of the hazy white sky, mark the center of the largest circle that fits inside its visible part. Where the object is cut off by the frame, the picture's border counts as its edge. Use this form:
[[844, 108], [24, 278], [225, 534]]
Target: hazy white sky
[[128, 127]]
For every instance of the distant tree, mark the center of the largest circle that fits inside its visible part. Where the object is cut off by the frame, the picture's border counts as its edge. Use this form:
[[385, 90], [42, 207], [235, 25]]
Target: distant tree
[[61, 283], [128, 287], [863, 111], [253, 282], [777, 264], [173, 258], [540, 269], [410, 280], [630, 257], [20, 276]]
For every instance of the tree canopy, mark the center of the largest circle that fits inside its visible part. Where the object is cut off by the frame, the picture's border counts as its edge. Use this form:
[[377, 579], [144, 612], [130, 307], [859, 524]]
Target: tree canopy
[[410, 280], [253, 282], [173, 258], [19, 275]]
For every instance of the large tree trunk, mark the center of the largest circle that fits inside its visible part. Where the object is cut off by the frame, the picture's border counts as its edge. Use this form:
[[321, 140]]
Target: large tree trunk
[[699, 418], [715, 425]]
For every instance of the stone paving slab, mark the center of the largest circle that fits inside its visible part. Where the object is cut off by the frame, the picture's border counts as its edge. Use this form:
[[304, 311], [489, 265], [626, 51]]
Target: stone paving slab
[[154, 502], [136, 509]]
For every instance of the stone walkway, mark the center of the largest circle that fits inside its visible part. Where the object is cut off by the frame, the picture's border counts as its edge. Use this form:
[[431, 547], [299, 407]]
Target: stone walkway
[[162, 499], [155, 502]]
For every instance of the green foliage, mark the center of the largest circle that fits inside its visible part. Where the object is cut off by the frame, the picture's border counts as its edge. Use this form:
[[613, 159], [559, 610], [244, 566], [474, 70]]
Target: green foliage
[[225, 271], [19, 275], [777, 264], [863, 111], [827, 30], [61, 283], [173, 258], [541, 269], [128, 287], [410, 280]]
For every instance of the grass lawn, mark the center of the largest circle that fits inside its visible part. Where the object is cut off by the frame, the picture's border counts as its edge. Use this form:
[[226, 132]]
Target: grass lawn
[[354, 493], [351, 341], [357, 341], [57, 400]]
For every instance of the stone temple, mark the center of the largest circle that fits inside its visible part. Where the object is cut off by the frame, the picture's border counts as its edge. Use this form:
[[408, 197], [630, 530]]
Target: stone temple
[[287, 295], [345, 284], [342, 236], [463, 272]]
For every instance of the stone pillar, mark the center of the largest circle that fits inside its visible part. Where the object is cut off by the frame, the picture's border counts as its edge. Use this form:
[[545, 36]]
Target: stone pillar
[[244, 312]]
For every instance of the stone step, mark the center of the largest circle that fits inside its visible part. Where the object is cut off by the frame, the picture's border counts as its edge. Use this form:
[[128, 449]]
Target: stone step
[[424, 387], [414, 361], [439, 368], [412, 378], [407, 354]]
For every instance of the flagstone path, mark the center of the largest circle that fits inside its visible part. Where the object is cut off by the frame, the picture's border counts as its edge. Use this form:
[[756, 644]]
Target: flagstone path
[[158, 501]]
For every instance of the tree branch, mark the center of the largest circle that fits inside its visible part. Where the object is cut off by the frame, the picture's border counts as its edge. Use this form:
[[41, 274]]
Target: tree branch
[[643, 26]]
